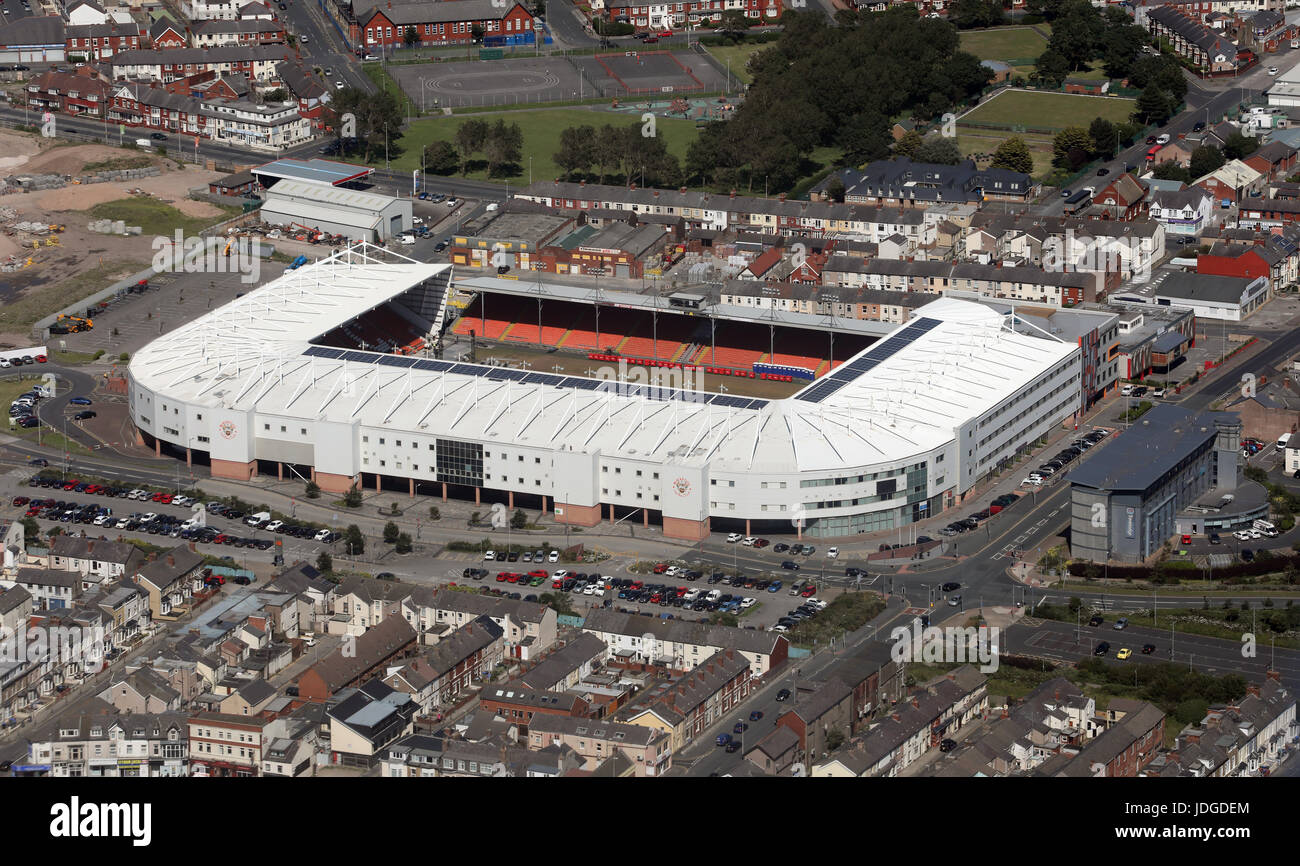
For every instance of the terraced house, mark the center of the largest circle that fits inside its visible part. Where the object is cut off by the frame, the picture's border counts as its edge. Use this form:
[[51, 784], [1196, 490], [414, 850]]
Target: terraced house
[[1207, 50], [641, 13]]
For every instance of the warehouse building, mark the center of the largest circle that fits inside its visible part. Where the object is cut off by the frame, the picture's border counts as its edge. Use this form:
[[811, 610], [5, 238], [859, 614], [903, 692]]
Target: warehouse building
[[361, 216]]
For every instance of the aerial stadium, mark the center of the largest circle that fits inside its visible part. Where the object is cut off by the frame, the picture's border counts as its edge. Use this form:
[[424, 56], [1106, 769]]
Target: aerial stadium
[[323, 373]]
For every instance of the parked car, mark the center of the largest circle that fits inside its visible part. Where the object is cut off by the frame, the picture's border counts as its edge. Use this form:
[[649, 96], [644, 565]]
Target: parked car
[[1102, 649]]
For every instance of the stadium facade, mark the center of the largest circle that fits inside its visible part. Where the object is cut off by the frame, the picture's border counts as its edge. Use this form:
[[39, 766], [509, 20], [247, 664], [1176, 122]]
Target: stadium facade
[[897, 433]]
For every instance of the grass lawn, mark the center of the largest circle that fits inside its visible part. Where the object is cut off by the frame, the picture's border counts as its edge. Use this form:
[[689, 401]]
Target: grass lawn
[[1049, 110], [541, 131], [38, 304], [10, 387], [154, 217], [986, 141], [1009, 43], [738, 56]]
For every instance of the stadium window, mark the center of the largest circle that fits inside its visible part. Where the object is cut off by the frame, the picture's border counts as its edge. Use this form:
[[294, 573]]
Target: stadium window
[[282, 430], [656, 476], [521, 458], [656, 497], [382, 463], [537, 460], [381, 440], [302, 431], [266, 426], [397, 442]]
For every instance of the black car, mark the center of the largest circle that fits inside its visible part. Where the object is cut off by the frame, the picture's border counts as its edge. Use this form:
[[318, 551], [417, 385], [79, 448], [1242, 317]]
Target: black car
[[792, 566], [780, 548], [1148, 649], [951, 586], [1095, 620], [1214, 538], [38, 461], [947, 745], [1247, 555], [1102, 649], [83, 416], [783, 695], [1198, 126], [1102, 172], [157, 136]]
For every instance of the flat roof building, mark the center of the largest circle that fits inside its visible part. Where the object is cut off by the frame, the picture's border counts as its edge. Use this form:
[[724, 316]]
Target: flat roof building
[[1126, 498]]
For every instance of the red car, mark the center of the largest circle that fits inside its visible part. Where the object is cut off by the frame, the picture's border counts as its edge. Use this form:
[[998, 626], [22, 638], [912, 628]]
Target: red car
[[539, 573], [661, 568], [1187, 539], [656, 598], [636, 584], [501, 577], [95, 488], [70, 484], [651, 38], [809, 591], [557, 583], [761, 542], [21, 500], [221, 539]]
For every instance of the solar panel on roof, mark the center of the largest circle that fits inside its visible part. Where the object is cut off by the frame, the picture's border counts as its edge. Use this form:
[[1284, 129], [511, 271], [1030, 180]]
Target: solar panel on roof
[[397, 361]]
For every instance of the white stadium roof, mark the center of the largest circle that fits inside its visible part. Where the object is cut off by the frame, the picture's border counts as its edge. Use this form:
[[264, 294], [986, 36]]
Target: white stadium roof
[[905, 395]]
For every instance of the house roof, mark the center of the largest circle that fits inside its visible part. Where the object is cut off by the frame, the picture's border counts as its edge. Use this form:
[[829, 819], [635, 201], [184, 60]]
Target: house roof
[[169, 567], [681, 631], [558, 665], [338, 669], [99, 550], [403, 14], [36, 31]]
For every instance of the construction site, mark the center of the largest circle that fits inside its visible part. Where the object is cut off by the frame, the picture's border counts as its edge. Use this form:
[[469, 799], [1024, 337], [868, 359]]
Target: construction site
[[75, 218]]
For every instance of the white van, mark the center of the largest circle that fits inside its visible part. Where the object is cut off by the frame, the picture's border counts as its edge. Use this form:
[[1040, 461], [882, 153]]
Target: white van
[[1282, 440], [1265, 527], [1126, 391]]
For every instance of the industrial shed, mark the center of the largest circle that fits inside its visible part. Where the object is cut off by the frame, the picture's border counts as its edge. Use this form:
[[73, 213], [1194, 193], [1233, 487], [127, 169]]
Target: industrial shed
[[359, 215]]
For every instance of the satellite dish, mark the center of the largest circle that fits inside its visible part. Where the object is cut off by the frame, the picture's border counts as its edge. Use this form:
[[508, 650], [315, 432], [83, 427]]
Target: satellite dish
[[797, 770]]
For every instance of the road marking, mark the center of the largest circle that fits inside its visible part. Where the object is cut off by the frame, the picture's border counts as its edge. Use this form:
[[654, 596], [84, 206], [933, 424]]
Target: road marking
[[1053, 514], [1041, 522]]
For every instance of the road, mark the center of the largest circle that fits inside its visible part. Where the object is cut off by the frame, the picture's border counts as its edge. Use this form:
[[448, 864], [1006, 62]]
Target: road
[[1203, 106]]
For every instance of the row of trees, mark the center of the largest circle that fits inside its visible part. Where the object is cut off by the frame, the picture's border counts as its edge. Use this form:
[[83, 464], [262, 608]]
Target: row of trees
[[882, 65], [1074, 145], [617, 150], [378, 120]]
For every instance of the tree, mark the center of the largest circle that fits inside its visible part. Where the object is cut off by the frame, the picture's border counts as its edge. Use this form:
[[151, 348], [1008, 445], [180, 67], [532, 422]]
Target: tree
[[352, 499], [1153, 106], [31, 529], [1051, 68], [558, 601], [834, 739], [939, 151], [324, 562], [476, 32], [734, 19], [1239, 146], [865, 137], [835, 189], [1172, 171], [404, 544], [469, 139], [354, 540], [1071, 146], [390, 532], [976, 13], [277, 95], [909, 144], [503, 147], [1103, 137], [312, 490], [518, 520], [441, 157], [379, 117], [410, 36], [1205, 159], [577, 150], [1013, 154], [435, 513]]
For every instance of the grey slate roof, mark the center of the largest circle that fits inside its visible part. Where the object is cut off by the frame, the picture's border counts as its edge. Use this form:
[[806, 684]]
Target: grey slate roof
[[1151, 447]]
